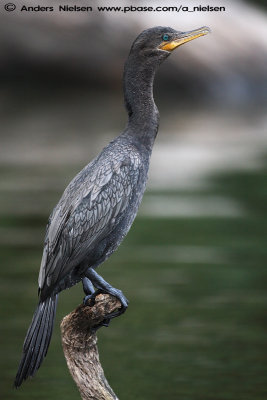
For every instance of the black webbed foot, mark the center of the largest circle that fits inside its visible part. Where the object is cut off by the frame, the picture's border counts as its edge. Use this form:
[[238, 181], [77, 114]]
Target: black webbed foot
[[124, 303], [104, 287]]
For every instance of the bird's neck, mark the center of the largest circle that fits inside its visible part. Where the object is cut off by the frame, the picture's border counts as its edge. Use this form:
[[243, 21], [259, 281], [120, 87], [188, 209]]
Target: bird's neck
[[138, 91]]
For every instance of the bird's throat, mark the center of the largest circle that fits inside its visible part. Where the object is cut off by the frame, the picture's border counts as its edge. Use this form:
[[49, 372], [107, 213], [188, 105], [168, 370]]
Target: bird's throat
[[138, 93]]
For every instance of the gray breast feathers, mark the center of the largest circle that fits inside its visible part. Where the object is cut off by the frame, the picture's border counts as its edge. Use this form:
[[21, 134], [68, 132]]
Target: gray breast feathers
[[88, 210]]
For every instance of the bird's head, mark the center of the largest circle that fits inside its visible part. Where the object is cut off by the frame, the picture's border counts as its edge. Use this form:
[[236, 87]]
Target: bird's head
[[161, 41]]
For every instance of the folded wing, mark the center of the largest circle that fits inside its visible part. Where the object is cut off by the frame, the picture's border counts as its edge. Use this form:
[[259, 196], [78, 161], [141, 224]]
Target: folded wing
[[91, 206]]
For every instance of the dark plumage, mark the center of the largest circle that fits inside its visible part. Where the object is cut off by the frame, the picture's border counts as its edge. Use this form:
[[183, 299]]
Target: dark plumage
[[98, 207]]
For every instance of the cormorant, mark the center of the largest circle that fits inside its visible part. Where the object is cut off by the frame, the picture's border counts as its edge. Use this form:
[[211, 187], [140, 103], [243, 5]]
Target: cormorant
[[99, 205]]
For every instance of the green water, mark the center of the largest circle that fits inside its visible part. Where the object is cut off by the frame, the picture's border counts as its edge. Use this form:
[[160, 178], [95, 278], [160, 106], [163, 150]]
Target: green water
[[196, 325]]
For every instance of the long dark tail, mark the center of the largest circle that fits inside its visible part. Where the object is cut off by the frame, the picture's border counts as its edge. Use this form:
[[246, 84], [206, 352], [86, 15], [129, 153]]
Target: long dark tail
[[37, 339]]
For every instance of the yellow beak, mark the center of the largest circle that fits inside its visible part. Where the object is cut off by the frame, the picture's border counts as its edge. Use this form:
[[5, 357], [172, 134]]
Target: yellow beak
[[184, 37]]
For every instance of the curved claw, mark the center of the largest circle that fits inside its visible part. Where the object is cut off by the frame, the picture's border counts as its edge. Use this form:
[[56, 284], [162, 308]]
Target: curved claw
[[116, 313], [105, 323], [86, 299], [114, 292], [124, 304], [91, 297]]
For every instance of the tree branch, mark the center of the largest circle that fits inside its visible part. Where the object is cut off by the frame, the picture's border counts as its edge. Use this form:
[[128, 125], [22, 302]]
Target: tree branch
[[79, 343]]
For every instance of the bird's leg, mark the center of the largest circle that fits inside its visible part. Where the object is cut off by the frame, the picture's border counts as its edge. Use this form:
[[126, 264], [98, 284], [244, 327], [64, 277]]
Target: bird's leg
[[105, 287], [88, 287], [90, 293]]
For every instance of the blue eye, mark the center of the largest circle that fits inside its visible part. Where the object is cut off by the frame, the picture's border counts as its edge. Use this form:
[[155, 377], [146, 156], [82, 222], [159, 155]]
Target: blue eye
[[165, 37]]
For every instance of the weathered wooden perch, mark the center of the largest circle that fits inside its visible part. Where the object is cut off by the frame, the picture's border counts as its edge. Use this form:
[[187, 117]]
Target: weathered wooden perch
[[79, 342]]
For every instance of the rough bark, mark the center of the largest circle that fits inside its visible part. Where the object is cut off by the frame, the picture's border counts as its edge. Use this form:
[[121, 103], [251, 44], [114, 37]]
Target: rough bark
[[79, 342]]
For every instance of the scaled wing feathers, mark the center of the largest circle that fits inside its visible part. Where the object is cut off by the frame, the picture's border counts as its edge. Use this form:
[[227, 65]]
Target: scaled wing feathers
[[89, 209]]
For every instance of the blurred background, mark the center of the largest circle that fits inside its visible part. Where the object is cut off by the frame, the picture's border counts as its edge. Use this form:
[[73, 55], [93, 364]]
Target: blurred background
[[194, 264]]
